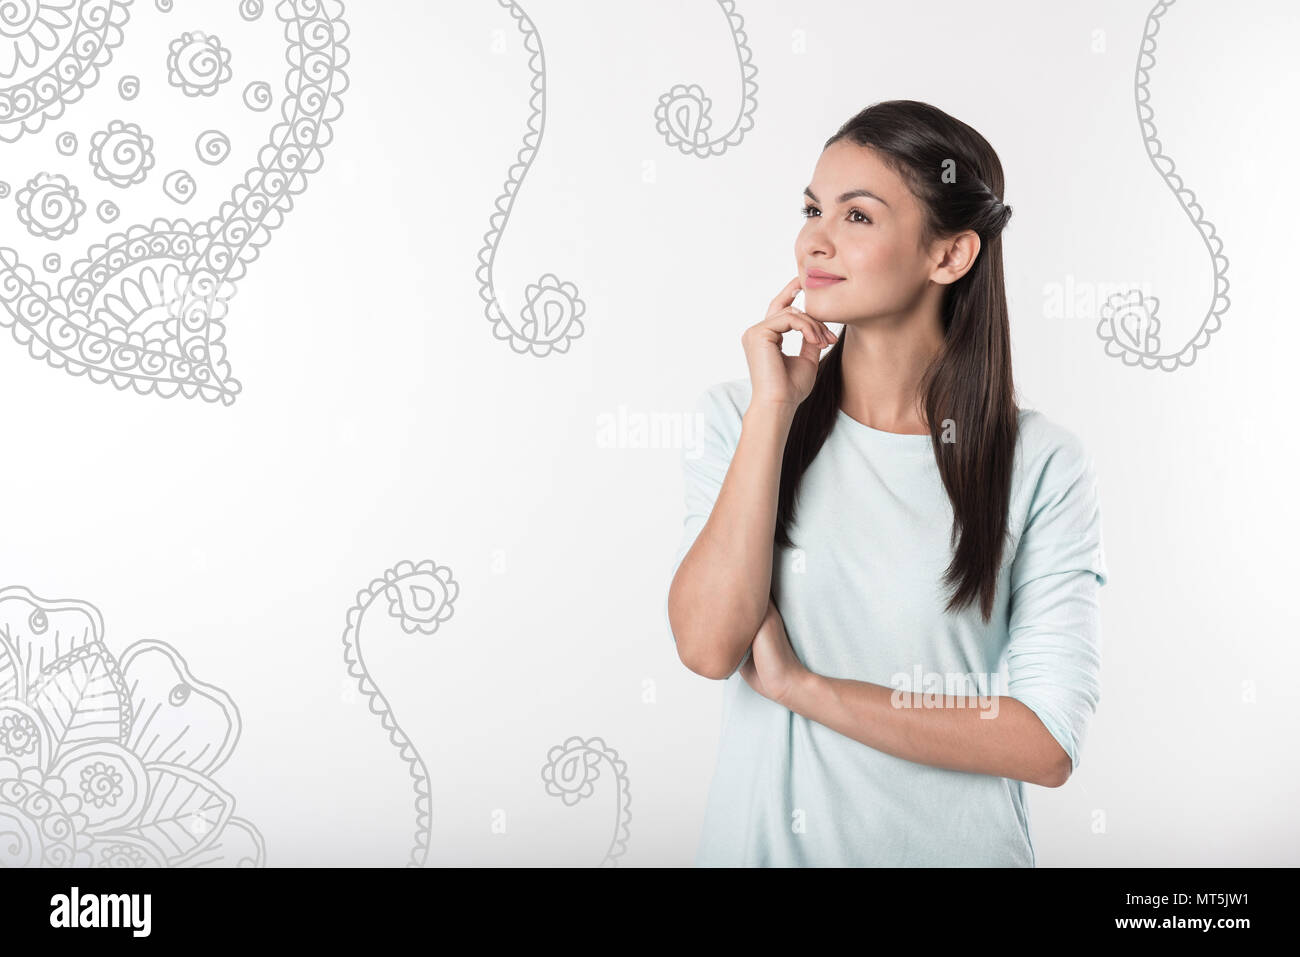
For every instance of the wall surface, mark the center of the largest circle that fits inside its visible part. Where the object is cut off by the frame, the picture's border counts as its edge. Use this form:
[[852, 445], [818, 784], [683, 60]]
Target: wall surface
[[327, 533]]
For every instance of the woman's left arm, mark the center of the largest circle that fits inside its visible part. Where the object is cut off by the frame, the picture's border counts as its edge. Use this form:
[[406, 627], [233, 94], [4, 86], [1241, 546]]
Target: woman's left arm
[[994, 735], [1033, 733]]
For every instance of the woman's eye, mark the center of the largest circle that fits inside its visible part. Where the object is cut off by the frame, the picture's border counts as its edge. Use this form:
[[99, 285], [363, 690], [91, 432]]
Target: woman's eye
[[807, 213]]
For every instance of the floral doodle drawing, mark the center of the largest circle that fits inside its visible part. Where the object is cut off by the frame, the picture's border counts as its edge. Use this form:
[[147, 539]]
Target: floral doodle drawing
[[109, 762], [420, 597], [63, 44], [177, 348], [1129, 326], [682, 114], [551, 317], [570, 773]]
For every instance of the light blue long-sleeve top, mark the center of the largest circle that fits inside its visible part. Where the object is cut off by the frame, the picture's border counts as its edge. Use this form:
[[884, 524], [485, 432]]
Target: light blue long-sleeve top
[[862, 598]]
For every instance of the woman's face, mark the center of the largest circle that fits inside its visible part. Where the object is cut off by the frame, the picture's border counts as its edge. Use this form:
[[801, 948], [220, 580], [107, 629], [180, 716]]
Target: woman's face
[[872, 241]]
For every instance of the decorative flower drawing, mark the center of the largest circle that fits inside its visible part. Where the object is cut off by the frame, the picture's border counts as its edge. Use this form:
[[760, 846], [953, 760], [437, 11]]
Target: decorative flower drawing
[[106, 761], [550, 315], [548, 321], [60, 321], [198, 64], [49, 206], [51, 53], [571, 772], [682, 116], [148, 305], [121, 154], [1129, 320], [419, 596], [28, 28]]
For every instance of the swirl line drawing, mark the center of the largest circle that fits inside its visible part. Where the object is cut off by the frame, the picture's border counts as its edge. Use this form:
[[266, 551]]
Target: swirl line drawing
[[92, 36], [550, 319], [682, 114], [1130, 326], [571, 772], [419, 596], [109, 761], [186, 355]]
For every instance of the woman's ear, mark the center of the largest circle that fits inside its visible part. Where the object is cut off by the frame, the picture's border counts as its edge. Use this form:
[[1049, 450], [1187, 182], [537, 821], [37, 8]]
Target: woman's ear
[[956, 257]]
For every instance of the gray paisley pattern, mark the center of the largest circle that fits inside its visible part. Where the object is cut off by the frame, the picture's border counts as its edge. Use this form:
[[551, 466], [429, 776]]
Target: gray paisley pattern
[[106, 760], [683, 115], [571, 772], [420, 597], [61, 46], [1130, 326], [551, 316], [112, 760], [183, 354]]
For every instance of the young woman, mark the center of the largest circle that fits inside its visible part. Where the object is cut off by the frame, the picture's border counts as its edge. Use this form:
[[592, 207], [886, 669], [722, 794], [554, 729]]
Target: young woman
[[894, 567]]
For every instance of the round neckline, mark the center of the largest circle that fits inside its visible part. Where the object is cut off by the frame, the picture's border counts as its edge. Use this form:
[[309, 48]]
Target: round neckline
[[902, 439]]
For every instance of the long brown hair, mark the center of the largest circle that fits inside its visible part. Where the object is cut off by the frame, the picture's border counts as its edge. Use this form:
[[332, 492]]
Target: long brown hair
[[969, 381]]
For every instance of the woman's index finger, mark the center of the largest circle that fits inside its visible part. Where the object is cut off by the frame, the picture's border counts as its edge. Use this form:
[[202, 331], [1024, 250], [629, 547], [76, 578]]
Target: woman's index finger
[[788, 294]]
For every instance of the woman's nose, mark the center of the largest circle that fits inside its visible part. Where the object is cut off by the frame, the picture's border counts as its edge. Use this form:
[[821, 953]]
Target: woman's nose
[[813, 240]]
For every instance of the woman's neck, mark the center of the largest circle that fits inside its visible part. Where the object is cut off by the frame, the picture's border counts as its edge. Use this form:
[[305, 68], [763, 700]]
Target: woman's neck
[[882, 365]]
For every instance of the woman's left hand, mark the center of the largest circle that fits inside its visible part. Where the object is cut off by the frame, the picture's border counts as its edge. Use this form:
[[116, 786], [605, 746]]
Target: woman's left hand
[[772, 668]]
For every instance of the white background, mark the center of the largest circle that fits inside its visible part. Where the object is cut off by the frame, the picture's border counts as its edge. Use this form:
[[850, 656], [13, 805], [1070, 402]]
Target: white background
[[380, 420]]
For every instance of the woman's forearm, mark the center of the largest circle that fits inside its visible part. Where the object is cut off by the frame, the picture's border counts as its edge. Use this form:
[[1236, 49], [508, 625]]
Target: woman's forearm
[[994, 734], [719, 595]]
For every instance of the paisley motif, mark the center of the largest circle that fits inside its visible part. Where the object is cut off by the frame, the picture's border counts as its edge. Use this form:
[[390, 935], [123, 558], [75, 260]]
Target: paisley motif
[[1129, 323], [108, 762], [65, 324]]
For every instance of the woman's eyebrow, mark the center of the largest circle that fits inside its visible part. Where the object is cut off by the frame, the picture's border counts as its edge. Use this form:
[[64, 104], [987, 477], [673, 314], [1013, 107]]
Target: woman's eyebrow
[[845, 197]]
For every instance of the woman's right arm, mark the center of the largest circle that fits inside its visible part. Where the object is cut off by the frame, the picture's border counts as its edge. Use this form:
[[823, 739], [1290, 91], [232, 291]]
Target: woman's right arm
[[720, 592]]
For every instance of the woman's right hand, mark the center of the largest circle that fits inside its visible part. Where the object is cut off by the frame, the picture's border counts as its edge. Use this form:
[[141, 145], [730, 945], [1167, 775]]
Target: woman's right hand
[[777, 378]]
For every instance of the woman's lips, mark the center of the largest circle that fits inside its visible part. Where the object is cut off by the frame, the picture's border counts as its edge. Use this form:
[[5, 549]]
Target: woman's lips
[[816, 282]]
